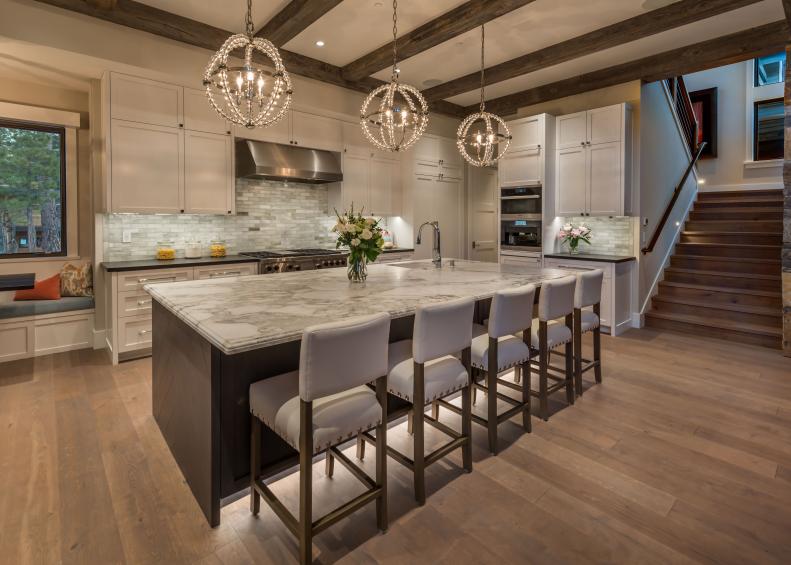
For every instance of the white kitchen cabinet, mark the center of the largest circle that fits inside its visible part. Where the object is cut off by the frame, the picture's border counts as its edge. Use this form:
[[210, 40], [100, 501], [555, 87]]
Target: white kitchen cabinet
[[146, 168], [208, 173], [521, 260], [438, 157], [522, 168], [199, 114], [616, 289], [438, 199], [483, 204], [593, 176], [298, 128], [370, 182], [526, 133], [136, 99]]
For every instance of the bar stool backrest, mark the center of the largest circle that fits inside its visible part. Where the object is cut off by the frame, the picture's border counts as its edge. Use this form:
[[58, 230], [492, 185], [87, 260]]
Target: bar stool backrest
[[588, 290], [442, 329], [511, 310], [556, 299], [342, 355]]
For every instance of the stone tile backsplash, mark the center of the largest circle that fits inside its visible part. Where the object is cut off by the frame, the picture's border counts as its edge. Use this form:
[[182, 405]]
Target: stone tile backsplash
[[269, 215], [610, 236]]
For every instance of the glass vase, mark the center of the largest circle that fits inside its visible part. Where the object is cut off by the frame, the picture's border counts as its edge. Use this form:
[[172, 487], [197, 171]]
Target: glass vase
[[357, 269], [574, 249]]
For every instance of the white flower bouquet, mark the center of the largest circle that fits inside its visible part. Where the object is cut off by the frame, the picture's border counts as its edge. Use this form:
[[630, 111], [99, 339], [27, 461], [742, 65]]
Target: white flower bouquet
[[363, 236]]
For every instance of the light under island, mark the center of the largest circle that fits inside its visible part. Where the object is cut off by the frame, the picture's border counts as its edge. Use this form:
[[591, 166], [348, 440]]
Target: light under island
[[213, 338]]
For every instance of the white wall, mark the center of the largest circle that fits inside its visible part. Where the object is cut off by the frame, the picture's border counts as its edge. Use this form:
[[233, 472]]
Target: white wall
[[732, 169], [663, 158]]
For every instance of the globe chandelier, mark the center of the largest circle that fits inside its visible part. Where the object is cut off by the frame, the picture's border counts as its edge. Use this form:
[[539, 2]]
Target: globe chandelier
[[247, 93], [394, 116], [482, 137]]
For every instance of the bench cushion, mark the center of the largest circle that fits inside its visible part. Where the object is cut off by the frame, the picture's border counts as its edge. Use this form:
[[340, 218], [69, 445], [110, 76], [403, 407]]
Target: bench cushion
[[20, 309]]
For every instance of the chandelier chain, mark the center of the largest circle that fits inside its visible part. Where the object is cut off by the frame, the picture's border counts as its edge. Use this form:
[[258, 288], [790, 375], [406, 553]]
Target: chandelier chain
[[249, 20], [395, 39], [483, 82]]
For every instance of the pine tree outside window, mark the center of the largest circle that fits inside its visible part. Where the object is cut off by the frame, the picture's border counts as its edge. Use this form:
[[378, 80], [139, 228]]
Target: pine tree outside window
[[32, 190]]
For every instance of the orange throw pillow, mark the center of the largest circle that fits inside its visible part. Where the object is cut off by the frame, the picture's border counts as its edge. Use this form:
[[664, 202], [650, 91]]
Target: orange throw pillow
[[47, 289]]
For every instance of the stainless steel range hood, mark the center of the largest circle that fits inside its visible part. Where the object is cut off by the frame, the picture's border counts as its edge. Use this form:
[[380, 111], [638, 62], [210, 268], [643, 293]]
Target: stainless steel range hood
[[262, 160]]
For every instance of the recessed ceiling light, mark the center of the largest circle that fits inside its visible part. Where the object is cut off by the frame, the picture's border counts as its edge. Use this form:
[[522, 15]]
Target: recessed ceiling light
[[319, 43], [377, 4]]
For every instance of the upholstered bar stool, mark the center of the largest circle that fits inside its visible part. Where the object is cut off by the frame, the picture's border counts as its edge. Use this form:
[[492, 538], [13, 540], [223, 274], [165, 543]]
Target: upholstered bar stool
[[587, 294], [555, 302], [496, 345], [318, 407], [423, 370]]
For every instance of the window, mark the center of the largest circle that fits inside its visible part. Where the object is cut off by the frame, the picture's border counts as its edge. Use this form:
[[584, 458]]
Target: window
[[770, 69], [768, 129], [32, 190]]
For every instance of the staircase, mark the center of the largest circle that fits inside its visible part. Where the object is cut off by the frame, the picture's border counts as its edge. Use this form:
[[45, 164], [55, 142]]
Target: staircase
[[724, 276]]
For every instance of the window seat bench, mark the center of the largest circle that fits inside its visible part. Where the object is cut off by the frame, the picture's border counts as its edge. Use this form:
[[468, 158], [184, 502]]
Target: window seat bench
[[39, 327]]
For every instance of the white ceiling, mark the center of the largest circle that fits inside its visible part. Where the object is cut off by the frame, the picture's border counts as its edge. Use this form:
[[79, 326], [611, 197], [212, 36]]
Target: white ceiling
[[356, 27]]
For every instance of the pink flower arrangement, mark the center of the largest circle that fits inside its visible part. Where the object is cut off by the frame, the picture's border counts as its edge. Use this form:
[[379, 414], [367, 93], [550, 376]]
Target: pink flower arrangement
[[571, 235]]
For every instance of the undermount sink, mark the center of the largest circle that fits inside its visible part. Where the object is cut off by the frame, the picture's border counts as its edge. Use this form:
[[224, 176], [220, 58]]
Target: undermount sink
[[427, 264]]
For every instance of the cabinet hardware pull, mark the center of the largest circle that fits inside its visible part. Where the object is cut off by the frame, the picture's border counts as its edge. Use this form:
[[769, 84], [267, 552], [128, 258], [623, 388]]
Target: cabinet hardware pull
[[156, 279], [143, 302], [224, 274], [143, 332]]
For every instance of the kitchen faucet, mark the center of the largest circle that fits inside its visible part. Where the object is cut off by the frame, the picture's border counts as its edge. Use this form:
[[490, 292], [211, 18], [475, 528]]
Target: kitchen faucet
[[435, 252]]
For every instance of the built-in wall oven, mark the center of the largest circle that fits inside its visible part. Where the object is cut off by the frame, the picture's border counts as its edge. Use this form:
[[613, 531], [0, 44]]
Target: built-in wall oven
[[520, 223]]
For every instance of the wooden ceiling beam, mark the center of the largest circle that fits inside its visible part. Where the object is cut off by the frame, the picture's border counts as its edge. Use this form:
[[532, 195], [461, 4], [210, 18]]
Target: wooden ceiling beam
[[644, 25], [787, 10], [293, 19], [725, 50], [447, 26], [142, 17]]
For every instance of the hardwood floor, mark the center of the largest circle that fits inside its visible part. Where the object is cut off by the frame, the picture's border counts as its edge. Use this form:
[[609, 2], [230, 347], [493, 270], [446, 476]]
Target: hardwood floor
[[682, 455]]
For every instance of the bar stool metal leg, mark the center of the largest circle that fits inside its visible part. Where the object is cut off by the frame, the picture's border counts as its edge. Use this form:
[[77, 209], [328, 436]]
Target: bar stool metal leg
[[306, 482], [329, 463], [578, 350], [418, 434], [491, 395], [381, 457], [570, 362], [525, 367], [255, 463], [466, 414], [543, 361], [597, 344]]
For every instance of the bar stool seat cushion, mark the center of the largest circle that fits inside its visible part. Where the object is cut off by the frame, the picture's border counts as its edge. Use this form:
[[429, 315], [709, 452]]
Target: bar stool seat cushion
[[511, 350], [336, 418], [588, 321], [557, 334], [441, 376]]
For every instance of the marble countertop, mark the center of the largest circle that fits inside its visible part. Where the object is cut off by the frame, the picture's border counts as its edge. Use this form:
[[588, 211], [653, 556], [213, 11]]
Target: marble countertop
[[144, 264], [239, 314]]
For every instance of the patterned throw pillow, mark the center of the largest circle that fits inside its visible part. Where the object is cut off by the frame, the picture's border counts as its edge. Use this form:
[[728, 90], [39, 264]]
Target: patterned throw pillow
[[76, 280]]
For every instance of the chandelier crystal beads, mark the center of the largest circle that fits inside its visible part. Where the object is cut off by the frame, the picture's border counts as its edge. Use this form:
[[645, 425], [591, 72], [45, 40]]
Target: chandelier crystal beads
[[482, 133], [248, 93], [394, 116]]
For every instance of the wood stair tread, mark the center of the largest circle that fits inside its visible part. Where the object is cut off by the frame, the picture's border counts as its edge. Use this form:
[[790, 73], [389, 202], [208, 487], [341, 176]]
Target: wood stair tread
[[744, 308], [746, 209], [766, 293], [725, 273], [739, 233], [733, 259], [720, 324], [770, 199], [736, 245]]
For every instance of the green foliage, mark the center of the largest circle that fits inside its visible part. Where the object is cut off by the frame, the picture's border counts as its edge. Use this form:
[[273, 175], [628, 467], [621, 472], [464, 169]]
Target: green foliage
[[30, 184], [363, 236]]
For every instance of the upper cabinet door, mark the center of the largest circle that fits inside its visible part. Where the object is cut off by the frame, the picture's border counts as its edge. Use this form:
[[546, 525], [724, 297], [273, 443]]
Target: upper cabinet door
[[523, 168], [447, 211], [276, 133], [355, 183], [316, 132], [426, 156], [146, 101], [354, 141], [605, 179], [208, 175], [526, 133], [605, 125], [448, 152], [572, 130], [384, 181], [147, 168], [571, 181], [200, 116]]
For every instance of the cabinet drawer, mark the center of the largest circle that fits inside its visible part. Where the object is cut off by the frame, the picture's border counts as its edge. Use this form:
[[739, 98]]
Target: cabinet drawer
[[135, 280], [226, 271], [518, 260], [391, 257], [134, 333], [581, 265], [133, 303]]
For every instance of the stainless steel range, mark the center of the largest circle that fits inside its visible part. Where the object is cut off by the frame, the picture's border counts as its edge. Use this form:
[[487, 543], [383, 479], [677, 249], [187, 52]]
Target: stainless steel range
[[288, 260]]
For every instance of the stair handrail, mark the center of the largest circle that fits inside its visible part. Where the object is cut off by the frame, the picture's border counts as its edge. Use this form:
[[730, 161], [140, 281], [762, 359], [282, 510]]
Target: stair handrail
[[682, 104], [676, 193]]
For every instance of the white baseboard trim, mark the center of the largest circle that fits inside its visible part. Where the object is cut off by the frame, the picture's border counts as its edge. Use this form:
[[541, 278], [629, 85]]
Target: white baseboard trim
[[737, 187], [99, 340], [638, 320]]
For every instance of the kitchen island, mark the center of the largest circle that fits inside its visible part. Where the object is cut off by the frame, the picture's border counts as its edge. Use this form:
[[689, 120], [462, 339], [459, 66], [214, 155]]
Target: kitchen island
[[213, 338]]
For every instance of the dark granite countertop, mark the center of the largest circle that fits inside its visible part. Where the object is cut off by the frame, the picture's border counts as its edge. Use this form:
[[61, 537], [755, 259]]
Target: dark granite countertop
[[398, 250], [591, 257], [145, 264]]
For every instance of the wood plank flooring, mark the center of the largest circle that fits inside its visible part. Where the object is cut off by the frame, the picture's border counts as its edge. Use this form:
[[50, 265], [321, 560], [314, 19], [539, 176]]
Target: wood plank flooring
[[682, 455]]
